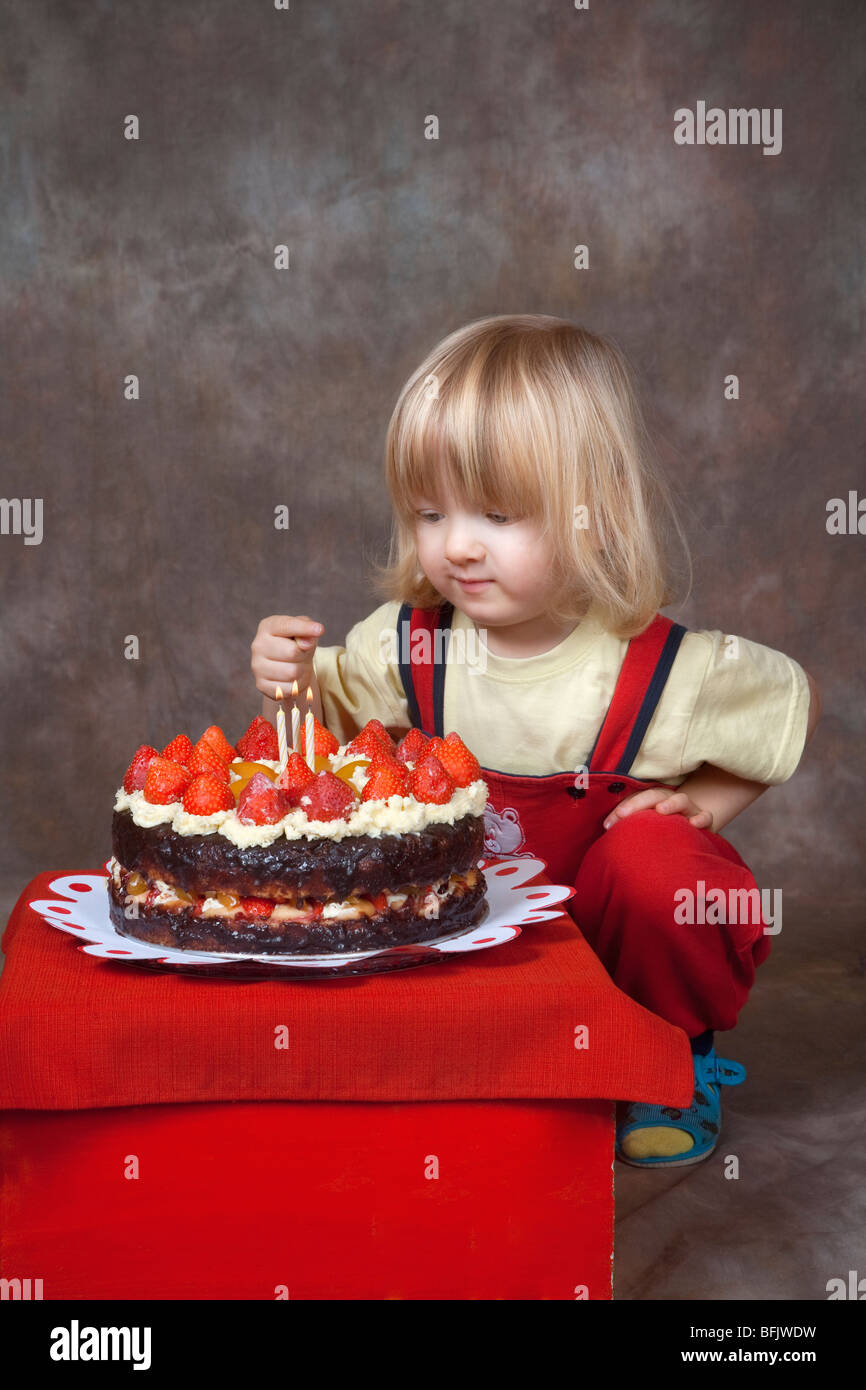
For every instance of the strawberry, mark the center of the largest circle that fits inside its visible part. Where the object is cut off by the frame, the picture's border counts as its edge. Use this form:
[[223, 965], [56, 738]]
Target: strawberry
[[324, 741], [257, 907], [259, 741], [133, 778], [373, 738], [261, 803], [375, 726], [294, 777], [366, 745], [204, 758], [383, 781], [207, 794], [165, 781], [179, 750], [328, 798], [380, 757], [220, 744], [461, 765], [410, 746], [380, 902], [428, 781]]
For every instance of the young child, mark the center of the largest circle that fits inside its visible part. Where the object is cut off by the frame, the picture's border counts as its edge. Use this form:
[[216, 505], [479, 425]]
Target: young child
[[530, 535]]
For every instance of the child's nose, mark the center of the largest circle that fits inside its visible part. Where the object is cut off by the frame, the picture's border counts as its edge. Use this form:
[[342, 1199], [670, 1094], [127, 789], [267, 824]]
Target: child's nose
[[461, 543]]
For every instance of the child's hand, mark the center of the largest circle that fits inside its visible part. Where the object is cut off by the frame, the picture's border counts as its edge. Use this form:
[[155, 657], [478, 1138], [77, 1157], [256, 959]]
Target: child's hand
[[666, 802], [283, 651]]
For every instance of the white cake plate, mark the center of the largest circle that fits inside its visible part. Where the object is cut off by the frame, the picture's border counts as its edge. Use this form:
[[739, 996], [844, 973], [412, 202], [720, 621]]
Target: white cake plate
[[80, 908]]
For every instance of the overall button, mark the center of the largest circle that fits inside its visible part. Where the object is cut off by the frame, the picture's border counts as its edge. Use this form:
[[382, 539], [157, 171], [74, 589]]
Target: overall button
[[616, 787], [576, 792]]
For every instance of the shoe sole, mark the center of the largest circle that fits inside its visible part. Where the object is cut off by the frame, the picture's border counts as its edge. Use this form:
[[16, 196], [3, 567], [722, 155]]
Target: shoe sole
[[665, 1162]]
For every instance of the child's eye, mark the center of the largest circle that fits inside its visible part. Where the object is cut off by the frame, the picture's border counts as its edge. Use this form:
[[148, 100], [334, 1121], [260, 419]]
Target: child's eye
[[499, 518]]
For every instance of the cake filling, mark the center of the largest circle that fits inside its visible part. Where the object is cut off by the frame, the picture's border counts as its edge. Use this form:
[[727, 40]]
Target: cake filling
[[424, 900]]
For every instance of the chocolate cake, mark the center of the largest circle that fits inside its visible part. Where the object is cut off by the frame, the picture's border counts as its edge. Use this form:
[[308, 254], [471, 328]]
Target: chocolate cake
[[377, 845]]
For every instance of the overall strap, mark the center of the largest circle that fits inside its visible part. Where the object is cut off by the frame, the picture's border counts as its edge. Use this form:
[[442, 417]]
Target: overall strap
[[648, 661], [423, 638]]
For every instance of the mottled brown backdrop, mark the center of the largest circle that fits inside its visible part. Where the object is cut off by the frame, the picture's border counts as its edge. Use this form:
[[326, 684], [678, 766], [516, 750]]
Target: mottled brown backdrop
[[306, 127]]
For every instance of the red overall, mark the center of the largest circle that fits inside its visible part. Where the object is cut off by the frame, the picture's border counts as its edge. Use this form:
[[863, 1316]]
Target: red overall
[[698, 975]]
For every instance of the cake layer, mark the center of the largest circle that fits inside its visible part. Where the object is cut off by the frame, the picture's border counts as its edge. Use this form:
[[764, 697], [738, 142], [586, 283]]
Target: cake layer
[[307, 867], [419, 918]]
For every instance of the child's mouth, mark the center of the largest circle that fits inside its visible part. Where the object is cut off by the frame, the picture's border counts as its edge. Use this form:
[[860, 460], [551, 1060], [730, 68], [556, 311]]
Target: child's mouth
[[474, 586]]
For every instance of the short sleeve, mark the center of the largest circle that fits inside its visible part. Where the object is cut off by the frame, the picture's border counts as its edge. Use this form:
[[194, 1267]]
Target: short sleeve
[[751, 710], [357, 682]]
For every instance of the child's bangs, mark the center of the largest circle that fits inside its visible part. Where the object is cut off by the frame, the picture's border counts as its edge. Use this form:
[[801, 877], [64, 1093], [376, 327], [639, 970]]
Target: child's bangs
[[469, 446]]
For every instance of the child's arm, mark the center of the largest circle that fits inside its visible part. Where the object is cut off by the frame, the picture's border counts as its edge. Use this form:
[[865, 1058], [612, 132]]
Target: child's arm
[[710, 797]]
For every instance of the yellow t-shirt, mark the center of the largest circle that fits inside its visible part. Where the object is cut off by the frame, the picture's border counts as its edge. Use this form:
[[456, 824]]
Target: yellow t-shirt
[[727, 701]]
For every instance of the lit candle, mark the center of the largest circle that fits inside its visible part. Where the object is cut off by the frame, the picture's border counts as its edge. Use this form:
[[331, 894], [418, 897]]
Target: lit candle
[[281, 731], [296, 720], [309, 733]]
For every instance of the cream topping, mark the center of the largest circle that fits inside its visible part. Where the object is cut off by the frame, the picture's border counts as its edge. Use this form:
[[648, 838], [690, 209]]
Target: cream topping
[[400, 815]]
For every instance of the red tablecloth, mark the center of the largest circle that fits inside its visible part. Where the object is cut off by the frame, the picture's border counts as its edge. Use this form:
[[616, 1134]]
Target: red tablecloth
[[81, 1033]]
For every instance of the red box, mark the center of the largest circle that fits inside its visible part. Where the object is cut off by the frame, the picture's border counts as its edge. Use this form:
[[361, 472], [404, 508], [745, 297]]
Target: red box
[[311, 1200], [434, 1134]]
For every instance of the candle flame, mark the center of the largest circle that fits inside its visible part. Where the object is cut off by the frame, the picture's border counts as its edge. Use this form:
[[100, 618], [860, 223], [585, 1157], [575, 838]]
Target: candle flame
[[310, 694], [294, 689], [279, 693]]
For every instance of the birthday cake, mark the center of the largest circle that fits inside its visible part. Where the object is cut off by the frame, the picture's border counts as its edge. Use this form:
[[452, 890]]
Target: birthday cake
[[221, 847]]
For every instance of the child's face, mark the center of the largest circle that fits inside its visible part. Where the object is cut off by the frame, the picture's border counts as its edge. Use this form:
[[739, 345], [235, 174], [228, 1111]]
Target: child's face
[[494, 568]]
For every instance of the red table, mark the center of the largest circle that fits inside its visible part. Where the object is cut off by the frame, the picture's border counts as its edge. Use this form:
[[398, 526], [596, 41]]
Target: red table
[[429, 1134]]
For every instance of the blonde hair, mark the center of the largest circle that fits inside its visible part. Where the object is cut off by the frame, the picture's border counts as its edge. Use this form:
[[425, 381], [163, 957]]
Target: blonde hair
[[537, 417]]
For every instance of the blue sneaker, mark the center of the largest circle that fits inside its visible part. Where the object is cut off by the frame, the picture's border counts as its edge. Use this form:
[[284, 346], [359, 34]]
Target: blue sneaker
[[702, 1120]]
